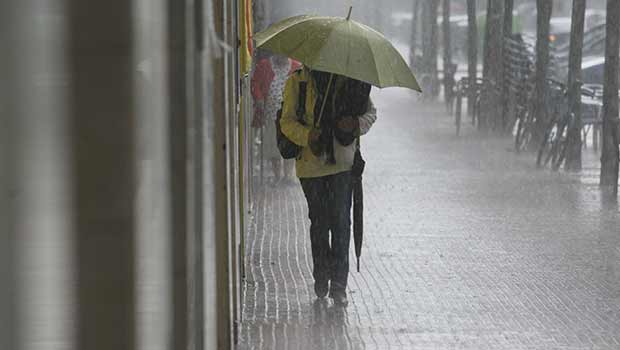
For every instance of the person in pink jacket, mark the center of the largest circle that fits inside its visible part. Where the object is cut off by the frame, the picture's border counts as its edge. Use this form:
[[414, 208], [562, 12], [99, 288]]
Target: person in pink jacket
[[267, 85]]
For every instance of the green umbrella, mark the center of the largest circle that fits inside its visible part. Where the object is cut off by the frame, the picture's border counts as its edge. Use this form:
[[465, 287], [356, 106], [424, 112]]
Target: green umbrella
[[340, 46]]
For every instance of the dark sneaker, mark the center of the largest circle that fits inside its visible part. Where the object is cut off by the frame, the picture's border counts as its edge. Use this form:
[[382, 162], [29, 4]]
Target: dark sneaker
[[321, 288], [340, 299]]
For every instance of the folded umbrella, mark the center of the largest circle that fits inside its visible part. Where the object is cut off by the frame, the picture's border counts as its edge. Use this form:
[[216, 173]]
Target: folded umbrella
[[358, 202]]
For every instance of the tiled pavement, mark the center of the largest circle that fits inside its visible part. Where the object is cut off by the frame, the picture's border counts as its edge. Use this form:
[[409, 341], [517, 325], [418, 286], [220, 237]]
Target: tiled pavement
[[467, 247]]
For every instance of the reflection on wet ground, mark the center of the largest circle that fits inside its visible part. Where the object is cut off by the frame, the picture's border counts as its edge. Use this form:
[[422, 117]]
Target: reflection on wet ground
[[468, 246], [326, 327]]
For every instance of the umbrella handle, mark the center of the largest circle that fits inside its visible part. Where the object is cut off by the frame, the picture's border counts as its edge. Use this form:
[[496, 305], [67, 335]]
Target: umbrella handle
[[329, 85]]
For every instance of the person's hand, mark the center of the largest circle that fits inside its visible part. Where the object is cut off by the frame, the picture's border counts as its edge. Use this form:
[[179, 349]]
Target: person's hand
[[348, 124], [313, 142]]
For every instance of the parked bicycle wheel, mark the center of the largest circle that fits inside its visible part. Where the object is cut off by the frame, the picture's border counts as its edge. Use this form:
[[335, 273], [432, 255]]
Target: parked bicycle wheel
[[523, 133], [552, 151]]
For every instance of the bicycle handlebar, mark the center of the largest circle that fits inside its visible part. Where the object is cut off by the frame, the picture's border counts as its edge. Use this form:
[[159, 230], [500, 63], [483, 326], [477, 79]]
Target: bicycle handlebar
[[556, 83], [585, 91]]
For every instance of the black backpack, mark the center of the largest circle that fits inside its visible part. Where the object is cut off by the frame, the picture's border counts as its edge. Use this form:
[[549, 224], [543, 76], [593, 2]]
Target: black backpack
[[288, 149]]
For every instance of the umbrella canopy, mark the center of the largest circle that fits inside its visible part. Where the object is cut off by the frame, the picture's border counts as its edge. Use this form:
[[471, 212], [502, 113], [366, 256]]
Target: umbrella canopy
[[340, 46]]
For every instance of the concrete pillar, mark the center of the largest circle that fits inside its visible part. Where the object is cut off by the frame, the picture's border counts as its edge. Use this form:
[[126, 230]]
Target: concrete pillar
[[153, 225], [101, 132], [100, 58], [35, 220], [178, 175], [218, 278], [6, 268], [7, 277]]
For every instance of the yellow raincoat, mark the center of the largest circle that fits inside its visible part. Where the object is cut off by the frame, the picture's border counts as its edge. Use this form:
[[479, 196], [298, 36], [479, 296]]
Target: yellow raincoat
[[308, 165]]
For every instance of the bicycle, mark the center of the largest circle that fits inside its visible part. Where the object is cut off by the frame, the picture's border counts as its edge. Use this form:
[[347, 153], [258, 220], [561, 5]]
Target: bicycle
[[525, 121], [554, 146], [464, 90], [555, 142], [524, 125]]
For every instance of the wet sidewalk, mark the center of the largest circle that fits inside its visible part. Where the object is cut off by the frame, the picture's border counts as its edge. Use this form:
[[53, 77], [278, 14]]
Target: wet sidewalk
[[467, 246]]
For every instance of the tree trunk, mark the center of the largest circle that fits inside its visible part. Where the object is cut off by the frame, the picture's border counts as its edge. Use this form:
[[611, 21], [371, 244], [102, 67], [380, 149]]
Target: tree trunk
[[506, 100], [448, 74], [434, 46], [429, 49], [610, 154], [544, 9], [492, 69], [414, 34], [573, 158], [472, 53]]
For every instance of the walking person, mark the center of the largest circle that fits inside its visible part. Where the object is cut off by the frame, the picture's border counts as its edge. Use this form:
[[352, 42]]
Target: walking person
[[267, 86], [324, 165]]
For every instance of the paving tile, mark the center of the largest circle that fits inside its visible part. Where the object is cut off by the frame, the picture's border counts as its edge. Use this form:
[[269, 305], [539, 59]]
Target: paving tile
[[467, 246]]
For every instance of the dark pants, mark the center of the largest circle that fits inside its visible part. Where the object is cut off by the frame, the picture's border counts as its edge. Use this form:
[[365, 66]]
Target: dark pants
[[329, 206]]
